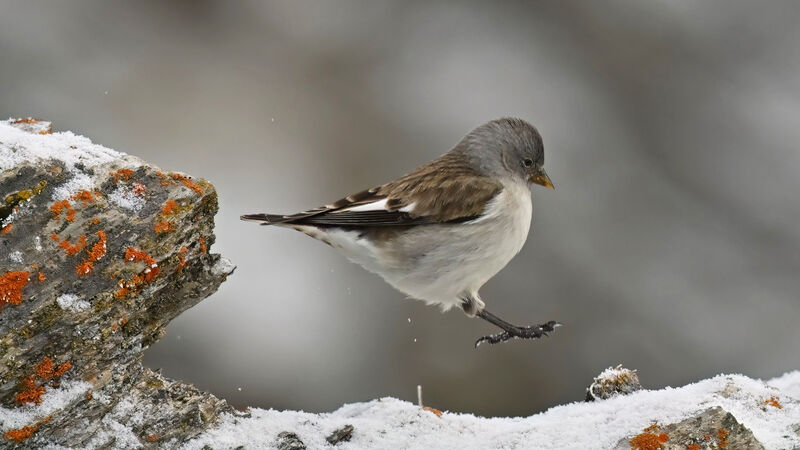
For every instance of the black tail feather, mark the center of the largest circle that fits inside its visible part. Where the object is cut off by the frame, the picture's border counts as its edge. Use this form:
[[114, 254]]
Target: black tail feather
[[265, 219]]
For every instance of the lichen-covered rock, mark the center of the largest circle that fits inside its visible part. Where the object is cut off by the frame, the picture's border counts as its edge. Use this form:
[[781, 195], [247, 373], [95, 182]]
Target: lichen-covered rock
[[713, 428], [612, 382], [98, 252]]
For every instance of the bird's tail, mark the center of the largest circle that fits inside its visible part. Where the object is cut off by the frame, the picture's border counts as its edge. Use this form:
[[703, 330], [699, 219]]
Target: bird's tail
[[264, 219]]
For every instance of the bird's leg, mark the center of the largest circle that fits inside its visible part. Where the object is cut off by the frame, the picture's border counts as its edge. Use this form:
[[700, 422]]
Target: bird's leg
[[512, 331]]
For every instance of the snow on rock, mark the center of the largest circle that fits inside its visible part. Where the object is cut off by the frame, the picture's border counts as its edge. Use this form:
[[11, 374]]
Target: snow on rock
[[16, 257], [391, 423], [72, 302], [126, 198], [29, 141], [613, 381], [52, 401], [224, 265]]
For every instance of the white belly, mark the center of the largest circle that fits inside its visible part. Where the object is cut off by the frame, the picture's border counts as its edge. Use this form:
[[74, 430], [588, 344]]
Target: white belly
[[439, 264], [459, 259]]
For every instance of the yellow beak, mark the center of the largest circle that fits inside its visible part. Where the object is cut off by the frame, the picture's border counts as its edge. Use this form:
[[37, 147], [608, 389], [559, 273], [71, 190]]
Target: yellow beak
[[542, 179]]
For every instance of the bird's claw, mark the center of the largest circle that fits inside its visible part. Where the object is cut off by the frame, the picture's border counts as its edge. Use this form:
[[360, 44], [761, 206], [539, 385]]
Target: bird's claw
[[531, 332]]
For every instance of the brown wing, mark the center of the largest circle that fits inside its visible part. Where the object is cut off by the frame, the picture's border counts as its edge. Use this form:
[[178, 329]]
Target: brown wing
[[443, 191]]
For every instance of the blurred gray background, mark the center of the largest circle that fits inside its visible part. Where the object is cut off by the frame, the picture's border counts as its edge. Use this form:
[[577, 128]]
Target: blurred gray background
[[671, 244]]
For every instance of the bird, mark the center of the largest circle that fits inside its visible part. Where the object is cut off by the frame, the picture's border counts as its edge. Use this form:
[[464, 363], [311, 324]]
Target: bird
[[441, 231]]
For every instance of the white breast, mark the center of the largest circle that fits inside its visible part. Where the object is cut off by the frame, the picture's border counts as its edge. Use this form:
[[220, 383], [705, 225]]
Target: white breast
[[448, 261], [439, 264]]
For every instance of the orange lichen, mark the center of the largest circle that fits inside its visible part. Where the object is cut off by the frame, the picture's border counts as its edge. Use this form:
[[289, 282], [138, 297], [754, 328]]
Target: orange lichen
[[31, 393], [125, 174], [722, 438], [99, 248], [152, 438], [164, 179], [149, 273], [42, 277], [72, 249], [22, 434], [63, 205], [139, 188], [84, 268], [84, 196], [95, 220], [29, 120], [693, 447], [187, 182], [649, 440], [169, 207], [128, 287], [89, 395], [46, 369], [773, 401], [163, 227], [433, 410], [202, 241], [182, 258], [11, 286], [151, 269], [54, 237], [6, 229]]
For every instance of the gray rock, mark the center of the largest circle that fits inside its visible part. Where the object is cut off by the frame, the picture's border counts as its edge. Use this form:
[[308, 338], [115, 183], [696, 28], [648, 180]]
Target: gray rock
[[612, 382], [94, 280], [713, 428], [289, 441], [341, 435]]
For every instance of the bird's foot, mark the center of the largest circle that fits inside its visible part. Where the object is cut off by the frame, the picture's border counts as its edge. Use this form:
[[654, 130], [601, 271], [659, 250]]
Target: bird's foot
[[514, 332]]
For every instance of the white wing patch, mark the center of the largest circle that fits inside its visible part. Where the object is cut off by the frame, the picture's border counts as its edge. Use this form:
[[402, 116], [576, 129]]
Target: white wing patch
[[408, 208], [374, 206], [379, 205]]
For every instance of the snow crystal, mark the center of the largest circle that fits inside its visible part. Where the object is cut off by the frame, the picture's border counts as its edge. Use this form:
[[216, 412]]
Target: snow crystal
[[71, 302], [391, 423], [15, 256], [125, 197], [52, 401]]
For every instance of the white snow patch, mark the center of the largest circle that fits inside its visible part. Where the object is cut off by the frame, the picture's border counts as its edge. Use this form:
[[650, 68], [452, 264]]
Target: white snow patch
[[612, 373], [15, 256], [124, 197], [117, 427], [22, 143], [73, 303], [52, 401], [223, 267], [392, 423], [37, 243], [789, 384]]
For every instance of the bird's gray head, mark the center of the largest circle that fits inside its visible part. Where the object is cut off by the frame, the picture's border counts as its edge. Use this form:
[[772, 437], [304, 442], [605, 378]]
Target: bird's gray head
[[507, 146]]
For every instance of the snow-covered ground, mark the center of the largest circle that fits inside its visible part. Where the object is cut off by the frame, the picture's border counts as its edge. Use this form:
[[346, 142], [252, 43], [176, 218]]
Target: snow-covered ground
[[391, 423]]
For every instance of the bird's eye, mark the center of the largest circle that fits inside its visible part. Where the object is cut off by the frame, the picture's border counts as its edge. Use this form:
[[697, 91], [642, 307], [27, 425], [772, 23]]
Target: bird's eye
[[527, 162]]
